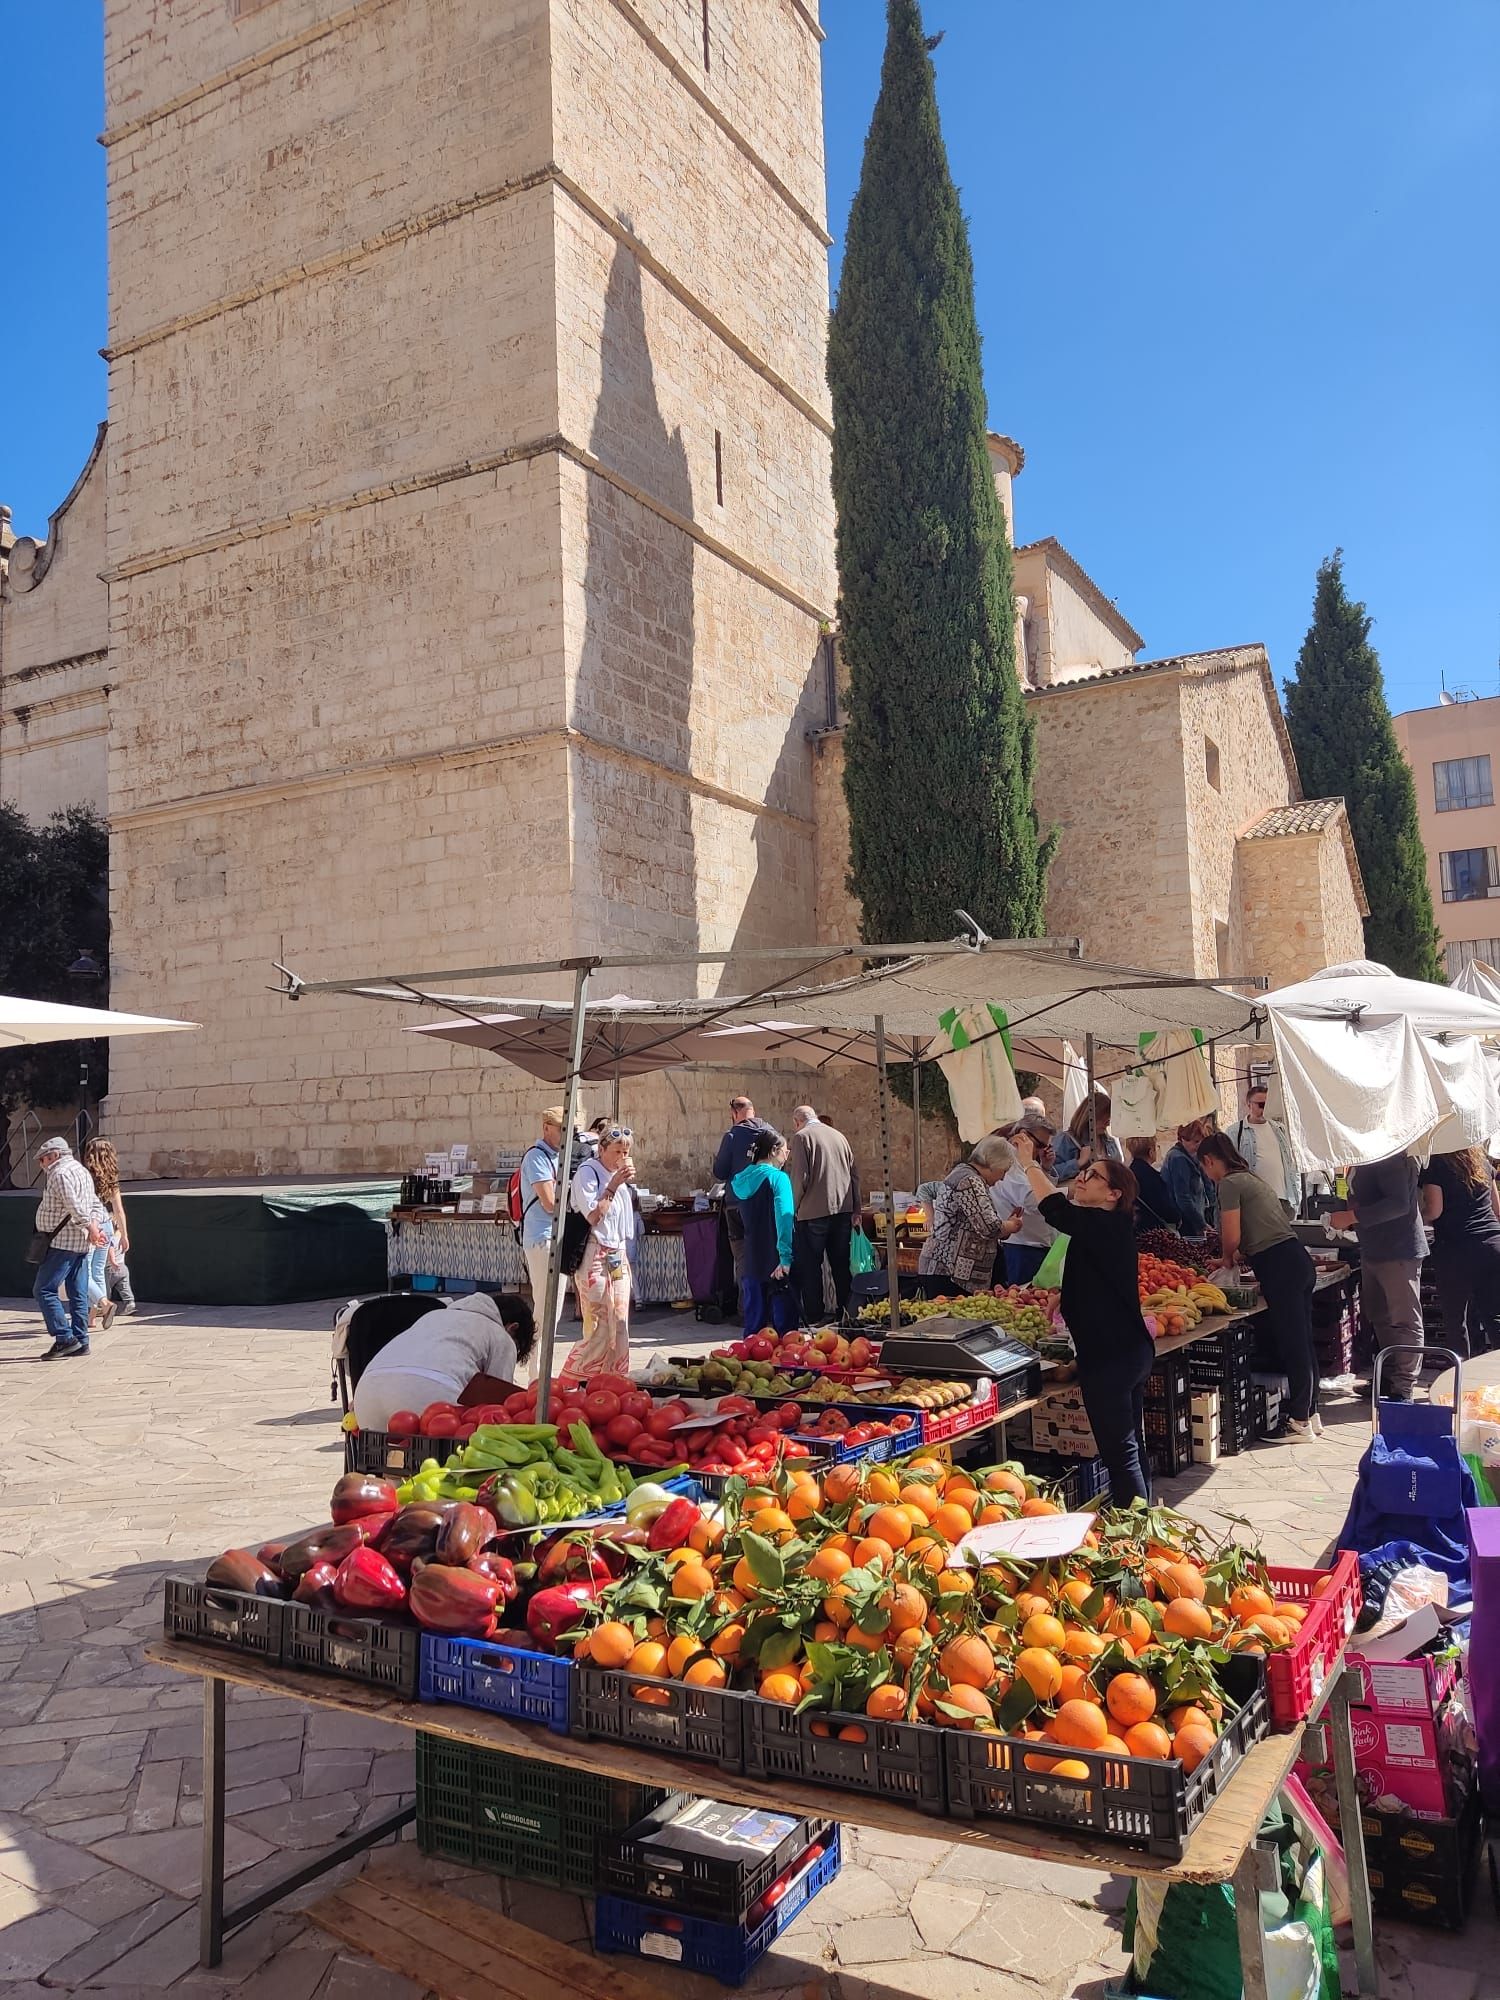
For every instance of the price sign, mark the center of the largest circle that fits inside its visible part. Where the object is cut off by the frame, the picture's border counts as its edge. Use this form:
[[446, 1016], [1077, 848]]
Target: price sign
[[1035, 1538]]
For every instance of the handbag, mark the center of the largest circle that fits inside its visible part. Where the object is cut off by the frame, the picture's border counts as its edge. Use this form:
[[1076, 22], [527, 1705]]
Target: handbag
[[575, 1241], [861, 1256], [41, 1243]]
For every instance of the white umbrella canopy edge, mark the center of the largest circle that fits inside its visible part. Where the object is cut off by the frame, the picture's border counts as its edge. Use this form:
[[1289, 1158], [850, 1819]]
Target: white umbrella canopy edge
[[27, 1023]]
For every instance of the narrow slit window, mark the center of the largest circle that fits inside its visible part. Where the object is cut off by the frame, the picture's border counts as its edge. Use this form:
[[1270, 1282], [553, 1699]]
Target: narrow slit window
[[706, 62], [719, 467], [1211, 761]]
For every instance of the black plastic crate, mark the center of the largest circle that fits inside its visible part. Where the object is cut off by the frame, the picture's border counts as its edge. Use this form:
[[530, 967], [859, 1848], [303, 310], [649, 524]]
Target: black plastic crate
[[1169, 1456], [518, 1815], [1224, 1354], [621, 1707], [379, 1453], [1079, 1480], [1167, 1384], [722, 1887], [1422, 1871], [1143, 1802], [727, 1952], [360, 1649], [901, 1761], [234, 1619]]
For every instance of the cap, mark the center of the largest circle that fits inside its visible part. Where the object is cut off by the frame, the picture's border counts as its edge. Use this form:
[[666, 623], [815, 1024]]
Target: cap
[[54, 1145]]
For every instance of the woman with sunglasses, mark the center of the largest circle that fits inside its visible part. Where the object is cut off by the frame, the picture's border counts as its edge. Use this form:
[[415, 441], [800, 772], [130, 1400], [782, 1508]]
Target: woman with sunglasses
[[601, 1195], [1101, 1304]]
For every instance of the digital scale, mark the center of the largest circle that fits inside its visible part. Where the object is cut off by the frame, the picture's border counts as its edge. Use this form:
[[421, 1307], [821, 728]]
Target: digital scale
[[952, 1346]]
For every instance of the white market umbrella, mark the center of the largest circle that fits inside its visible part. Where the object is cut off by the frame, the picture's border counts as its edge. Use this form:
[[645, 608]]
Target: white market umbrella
[[1372, 1065], [1479, 980], [25, 1022]]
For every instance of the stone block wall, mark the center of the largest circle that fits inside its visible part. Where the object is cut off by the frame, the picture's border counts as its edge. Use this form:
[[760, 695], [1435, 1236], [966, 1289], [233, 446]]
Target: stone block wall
[[472, 542], [54, 637]]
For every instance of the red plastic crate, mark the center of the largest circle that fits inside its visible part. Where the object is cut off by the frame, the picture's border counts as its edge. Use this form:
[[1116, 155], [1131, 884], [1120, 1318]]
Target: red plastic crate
[[940, 1426], [1295, 1678]]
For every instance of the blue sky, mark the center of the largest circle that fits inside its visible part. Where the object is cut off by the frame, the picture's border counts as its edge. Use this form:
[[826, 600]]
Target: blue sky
[[1236, 279]]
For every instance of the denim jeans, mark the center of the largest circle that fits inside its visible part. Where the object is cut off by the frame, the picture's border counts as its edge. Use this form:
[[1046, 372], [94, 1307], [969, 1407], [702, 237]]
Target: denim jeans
[[98, 1279], [70, 1322]]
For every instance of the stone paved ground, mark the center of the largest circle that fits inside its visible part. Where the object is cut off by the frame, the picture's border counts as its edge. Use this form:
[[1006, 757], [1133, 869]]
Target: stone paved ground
[[191, 1430]]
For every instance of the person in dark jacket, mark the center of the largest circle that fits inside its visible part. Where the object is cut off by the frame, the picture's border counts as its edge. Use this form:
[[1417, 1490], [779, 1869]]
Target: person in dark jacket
[[1382, 1212], [1187, 1183], [1101, 1304], [1458, 1198], [763, 1189], [1154, 1207], [733, 1154]]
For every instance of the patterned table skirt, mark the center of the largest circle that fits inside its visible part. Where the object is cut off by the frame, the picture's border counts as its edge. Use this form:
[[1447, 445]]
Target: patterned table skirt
[[462, 1246]]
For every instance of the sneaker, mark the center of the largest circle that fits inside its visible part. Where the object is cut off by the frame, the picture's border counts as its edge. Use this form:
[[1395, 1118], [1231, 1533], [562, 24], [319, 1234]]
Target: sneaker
[[1295, 1432], [78, 1347], [58, 1347], [1317, 1424]]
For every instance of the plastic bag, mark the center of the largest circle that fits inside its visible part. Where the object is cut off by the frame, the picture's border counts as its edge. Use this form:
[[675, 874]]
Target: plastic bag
[[1050, 1271], [861, 1254]]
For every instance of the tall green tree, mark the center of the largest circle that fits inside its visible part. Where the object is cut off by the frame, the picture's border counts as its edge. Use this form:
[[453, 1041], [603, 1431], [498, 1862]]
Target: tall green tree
[[1341, 731], [938, 747], [54, 908]]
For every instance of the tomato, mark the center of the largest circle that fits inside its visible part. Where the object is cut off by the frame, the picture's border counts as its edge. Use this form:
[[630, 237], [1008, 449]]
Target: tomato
[[678, 1409], [736, 1406], [613, 1385], [599, 1405], [403, 1424], [435, 1410], [661, 1423], [441, 1424], [636, 1404]]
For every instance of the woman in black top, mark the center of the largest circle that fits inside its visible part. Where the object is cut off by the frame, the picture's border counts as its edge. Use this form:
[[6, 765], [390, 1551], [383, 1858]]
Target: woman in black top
[[1458, 1199], [1100, 1302]]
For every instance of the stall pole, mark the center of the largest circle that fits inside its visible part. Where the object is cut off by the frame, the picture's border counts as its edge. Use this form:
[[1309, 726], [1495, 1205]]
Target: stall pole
[[916, 1125], [1088, 1064], [548, 1328], [893, 1278], [614, 1107]]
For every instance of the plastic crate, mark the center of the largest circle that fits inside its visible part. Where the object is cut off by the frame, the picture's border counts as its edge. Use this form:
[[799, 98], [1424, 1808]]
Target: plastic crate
[[1168, 1381], [621, 1707], [723, 1888], [379, 1453], [982, 1409], [1295, 1678], [900, 1761], [517, 1816], [476, 1673], [831, 1451], [1225, 1353], [234, 1619], [1143, 1802], [727, 1952], [359, 1649], [1167, 1457]]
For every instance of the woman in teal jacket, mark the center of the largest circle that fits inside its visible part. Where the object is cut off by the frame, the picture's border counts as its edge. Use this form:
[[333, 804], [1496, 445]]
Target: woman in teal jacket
[[764, 1193]]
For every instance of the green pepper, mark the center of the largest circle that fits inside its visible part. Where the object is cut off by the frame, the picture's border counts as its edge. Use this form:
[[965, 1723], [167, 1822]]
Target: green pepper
[[515, 1505]]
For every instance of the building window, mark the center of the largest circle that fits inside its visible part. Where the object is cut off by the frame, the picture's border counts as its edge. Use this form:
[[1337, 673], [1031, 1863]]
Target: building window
[[1211, 761], [1461, 782], [706, 64], [719, 467], [1469, 874], [1459, 951]]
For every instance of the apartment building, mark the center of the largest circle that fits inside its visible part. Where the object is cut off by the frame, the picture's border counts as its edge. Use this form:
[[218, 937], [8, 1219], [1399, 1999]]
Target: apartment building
[[1454, 753]]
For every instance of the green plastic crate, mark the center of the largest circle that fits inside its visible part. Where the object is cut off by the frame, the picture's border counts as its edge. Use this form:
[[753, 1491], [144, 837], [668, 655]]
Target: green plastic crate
[[517, 1815]]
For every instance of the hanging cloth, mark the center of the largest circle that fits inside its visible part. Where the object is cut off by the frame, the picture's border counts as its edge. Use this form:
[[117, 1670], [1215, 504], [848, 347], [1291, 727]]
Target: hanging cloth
[[1184, 1089], [981, 1082], [1075, 1083], [1133, 1108]]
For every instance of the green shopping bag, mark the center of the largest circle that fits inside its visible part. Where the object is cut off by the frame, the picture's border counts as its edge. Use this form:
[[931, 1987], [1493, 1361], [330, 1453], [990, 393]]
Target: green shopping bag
[[1049, 1274], [861, 1254]]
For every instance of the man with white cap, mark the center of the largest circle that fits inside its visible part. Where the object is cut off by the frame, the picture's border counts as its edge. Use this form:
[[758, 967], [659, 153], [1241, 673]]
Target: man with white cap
[[70, 1223]]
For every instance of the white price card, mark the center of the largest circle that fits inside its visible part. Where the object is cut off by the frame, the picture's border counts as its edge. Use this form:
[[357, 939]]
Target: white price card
[[1036, 1538]]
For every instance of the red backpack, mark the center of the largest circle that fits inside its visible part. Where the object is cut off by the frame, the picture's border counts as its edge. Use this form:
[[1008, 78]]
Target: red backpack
[[513, 1197]]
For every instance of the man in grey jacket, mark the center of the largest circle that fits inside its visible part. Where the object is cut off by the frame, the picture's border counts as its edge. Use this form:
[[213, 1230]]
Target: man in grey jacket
[[1267, 1149], [1383, 1213], [826, 1191]]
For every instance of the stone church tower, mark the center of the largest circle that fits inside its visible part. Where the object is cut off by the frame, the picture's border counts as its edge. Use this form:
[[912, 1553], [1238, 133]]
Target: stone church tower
[[469, 534]]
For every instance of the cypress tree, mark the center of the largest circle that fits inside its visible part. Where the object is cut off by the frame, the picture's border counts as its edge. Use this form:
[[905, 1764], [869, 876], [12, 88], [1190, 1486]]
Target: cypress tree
[[938, 747], [1345, 745]]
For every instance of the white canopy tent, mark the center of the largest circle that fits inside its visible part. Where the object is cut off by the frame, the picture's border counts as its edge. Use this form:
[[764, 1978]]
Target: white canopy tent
[[1373, 1065], [24, 1023], [1042, 985], [1479, 980]]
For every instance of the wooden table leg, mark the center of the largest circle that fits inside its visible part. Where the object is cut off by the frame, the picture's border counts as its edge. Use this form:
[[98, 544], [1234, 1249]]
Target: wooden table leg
[[211, 1888], [1351, 1832], [1255, 1872]]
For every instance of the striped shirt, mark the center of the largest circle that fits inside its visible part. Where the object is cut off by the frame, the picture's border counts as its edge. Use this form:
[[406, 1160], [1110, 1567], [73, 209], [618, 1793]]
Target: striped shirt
[[69, 1199]]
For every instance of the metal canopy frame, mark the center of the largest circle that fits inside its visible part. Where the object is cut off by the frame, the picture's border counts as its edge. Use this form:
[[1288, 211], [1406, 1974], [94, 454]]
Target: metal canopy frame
[[812, 959]]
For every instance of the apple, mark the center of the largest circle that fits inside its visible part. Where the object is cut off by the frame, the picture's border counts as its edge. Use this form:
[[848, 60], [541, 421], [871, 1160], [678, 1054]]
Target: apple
[[761, 1348]]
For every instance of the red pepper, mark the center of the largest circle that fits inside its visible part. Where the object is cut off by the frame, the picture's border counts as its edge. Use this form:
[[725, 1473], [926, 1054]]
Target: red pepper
[[500, 1570], [553, 1612], [457, 1601], [358, 1494], [367, 1582], [674, 1524]]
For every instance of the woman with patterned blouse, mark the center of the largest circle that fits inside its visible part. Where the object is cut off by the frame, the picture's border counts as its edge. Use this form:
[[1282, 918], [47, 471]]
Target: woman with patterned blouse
[[959, 1255]]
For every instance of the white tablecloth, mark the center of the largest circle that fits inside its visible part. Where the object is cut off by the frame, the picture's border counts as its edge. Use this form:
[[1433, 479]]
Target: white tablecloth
[[462, 1246]]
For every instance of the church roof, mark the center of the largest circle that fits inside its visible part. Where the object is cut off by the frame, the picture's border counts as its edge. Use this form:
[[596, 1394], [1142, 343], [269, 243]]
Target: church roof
[[1058, 558], [1306, 817]]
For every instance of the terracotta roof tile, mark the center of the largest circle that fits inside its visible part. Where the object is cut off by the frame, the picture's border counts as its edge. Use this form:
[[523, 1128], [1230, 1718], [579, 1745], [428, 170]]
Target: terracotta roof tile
[[1306, 816]]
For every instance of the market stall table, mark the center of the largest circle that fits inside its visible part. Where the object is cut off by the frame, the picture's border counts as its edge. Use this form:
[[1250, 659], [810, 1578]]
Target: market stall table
[[484, 1250], [1222, 1848]]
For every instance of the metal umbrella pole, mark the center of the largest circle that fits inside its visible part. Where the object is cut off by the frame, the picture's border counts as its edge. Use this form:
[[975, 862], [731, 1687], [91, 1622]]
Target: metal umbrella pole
[[916, 1125], [548, 1329], [893, 1279], [1088, 1063]]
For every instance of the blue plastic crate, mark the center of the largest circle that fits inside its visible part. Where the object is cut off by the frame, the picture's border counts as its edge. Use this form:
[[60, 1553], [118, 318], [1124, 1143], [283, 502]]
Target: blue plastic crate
[[829, 1451], [727, 1952], [476, 1673]]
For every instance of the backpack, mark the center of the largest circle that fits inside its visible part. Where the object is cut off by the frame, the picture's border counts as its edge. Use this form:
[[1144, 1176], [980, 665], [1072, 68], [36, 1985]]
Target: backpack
[[514, 1203]]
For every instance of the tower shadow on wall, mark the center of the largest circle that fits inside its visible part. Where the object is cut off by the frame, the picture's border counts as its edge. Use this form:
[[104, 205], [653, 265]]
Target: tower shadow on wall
[[635, 674]]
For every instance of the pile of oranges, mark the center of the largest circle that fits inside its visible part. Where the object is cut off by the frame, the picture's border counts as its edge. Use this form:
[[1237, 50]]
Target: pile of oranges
[[843, 1594]]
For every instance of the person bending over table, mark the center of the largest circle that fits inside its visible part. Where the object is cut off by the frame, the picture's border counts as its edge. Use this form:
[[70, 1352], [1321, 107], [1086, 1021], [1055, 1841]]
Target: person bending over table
[[1101, 1304], [462, 1350], [1253, 1224]]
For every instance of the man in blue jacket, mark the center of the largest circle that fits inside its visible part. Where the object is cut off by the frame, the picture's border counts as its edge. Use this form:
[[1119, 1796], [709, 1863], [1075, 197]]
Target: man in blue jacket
[[732, 1157]]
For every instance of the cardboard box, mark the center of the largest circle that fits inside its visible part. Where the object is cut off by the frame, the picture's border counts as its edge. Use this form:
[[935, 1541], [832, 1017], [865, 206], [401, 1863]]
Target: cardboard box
[[1423, 1871], [1408, 1763], [1408, 1670]]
